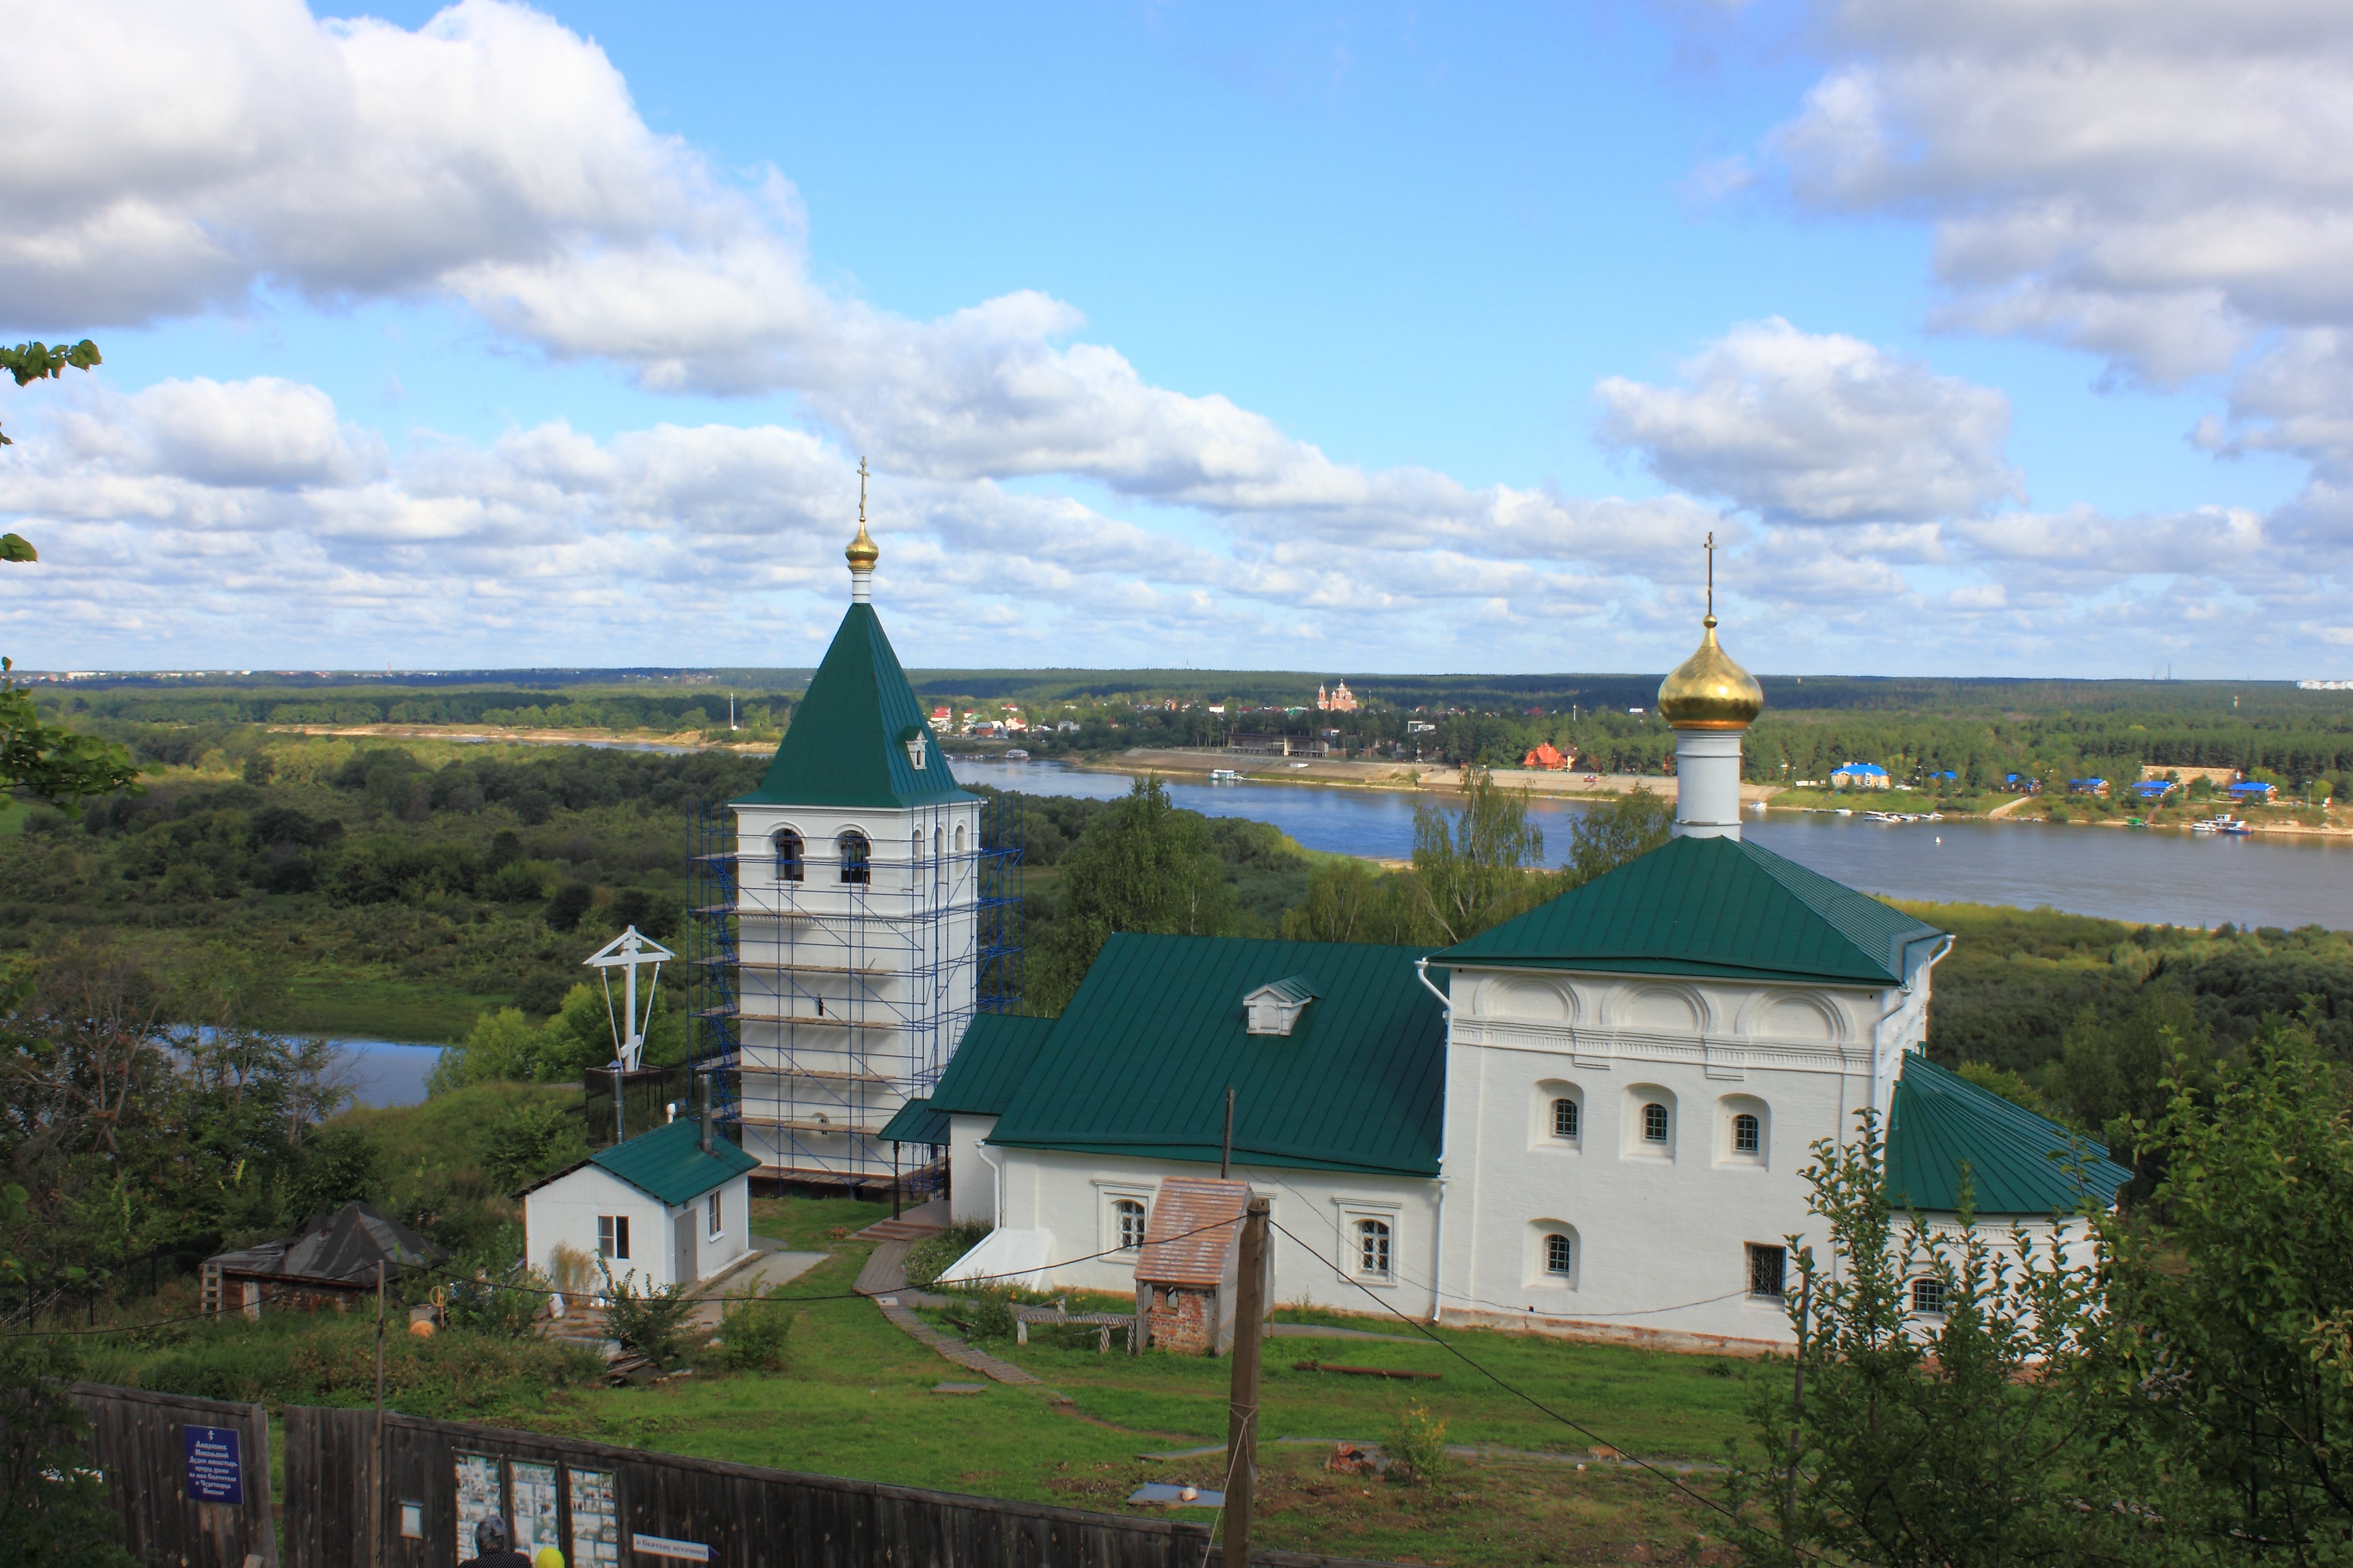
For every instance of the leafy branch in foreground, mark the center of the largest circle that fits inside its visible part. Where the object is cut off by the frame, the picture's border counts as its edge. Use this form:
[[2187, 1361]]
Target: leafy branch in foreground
[[50, 762], [29, 362], [1951, 1394]]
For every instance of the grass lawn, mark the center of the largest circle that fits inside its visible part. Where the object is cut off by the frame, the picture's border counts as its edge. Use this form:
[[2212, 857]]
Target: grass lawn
[[366, 1006], [857, 1401]]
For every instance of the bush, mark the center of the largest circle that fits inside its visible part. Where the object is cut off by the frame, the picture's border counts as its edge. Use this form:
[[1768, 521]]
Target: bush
[[983, 1315], [530, 1140], [493, 1305], [651, 1322], [571, 901], [756, 1336], [1417, 1447], [930, 1258]]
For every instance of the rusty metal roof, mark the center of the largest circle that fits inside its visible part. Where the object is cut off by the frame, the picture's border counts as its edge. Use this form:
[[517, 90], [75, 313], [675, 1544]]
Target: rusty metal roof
[[1195, 1227]]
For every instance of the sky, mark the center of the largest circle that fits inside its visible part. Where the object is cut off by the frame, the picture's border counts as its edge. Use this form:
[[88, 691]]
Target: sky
[[1988, 337]]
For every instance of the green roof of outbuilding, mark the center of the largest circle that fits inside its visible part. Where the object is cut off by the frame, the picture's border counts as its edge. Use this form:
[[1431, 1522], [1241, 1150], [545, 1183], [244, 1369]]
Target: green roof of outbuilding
[[915, 1123], [847, 744], [670, 1163], [2018, 1163], [989, 1063], [1139, 1062], [1709, 907]]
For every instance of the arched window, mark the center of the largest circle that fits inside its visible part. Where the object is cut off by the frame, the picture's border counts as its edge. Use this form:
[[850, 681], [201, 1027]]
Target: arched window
[[1558, 1256], [915, 852], [1564, 1117], [1373, 1249], [959, 838], [1747, 1134], [791, 860], [1130, 1215], [1654, 1123], [857, 857]]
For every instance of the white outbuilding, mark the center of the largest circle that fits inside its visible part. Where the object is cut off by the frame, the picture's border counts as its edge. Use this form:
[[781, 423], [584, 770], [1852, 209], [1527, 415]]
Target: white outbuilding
[[668, 1207]]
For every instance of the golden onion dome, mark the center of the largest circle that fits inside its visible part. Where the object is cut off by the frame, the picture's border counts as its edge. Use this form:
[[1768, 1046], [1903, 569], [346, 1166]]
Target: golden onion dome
[[1708, 692], [862, 553]]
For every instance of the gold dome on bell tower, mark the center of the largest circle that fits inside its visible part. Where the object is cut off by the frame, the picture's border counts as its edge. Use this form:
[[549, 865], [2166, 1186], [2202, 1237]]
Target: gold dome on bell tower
[[1708, 691]]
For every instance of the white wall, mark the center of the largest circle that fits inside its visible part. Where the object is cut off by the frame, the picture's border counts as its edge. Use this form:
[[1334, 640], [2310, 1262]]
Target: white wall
[[1659, 1233], [1071, 1195], [566, 1211], [972, 1180]]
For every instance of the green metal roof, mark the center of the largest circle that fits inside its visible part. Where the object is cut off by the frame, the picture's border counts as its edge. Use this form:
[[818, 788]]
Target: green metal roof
[[989, 1064], [915, 1123], [1708, 907], [1139, 1062], [1296, 990], [2018, 1162], [847, 744], [670, 1163]]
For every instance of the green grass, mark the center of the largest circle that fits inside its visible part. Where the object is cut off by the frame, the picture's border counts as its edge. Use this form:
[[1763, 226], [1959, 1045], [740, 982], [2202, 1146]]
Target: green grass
[[857, 1401], [808, 1224], [370, 1007]]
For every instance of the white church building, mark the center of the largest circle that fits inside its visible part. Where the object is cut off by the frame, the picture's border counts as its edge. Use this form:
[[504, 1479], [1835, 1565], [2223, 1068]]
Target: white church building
[[1589, 1121]]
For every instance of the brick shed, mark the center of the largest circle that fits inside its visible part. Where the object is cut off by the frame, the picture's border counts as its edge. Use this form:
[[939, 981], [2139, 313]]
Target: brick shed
[[1185, 1270]]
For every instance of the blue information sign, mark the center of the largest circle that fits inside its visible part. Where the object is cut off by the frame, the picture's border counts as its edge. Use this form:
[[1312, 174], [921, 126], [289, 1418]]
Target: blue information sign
[[215, 1464]]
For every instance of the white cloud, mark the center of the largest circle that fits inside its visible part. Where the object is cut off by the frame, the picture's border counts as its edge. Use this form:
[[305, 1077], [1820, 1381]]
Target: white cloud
[[1817, 428], [2157, 183]]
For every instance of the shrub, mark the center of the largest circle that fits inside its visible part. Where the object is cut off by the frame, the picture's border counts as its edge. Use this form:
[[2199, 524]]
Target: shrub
[[571, 1272], [983, 1315], [651, 1322], [756, 1336], [1417, 1447], [930, 1258]]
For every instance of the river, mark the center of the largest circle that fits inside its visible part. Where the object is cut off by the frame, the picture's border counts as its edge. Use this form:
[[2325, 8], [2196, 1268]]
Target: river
[[2118, 872]]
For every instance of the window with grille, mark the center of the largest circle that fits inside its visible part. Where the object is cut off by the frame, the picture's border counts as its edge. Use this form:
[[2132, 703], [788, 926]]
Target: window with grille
[[1130, 1216], [1564, 1119], [791, 860], [1373, 1249], [1747, 1134], [613, 1234], [1558, 1255], [718, 1222], [857, 858], [1927, 1295], [1769, 1269], [1654, 1123]]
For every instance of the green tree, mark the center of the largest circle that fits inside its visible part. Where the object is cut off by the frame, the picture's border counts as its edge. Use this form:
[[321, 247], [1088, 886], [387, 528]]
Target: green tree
[[1351, 900], [2237, 1292], [49, 762], [53, 1504], [1965, 1437], [1611, 832], [1142, 866], [1478, 867]]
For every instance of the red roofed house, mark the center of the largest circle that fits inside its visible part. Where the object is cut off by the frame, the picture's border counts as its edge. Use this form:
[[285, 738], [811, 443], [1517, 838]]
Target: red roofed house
[[1185, 1272], [1546, 755]]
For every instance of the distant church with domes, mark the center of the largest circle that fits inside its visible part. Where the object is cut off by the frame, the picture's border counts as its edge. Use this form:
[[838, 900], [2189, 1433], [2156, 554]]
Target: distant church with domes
[[1589, 1120]]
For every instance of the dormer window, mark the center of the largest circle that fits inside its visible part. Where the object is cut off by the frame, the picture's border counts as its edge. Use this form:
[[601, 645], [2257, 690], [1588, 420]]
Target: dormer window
[[1275, 1008], [918, 740]]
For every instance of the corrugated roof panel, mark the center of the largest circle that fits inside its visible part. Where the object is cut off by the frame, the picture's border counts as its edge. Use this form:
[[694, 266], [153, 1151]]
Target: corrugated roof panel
[[915, 1123], [1709, 907], [1195, 1224], [669, 1162], [2018, 1162], [847, 743], [989, 1063], [1140, 1060]]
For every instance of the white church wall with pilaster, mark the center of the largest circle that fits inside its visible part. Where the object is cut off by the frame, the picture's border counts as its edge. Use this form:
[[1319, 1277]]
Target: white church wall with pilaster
[[1632, 1215]]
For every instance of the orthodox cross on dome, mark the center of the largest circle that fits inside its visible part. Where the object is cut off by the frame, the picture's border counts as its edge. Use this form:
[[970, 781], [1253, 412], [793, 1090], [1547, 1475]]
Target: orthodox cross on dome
[[862, 553], [1711, 571]]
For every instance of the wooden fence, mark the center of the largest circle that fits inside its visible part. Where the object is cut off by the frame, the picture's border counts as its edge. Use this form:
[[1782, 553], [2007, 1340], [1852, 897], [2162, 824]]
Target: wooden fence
[[606, 1507], [163, 1456]]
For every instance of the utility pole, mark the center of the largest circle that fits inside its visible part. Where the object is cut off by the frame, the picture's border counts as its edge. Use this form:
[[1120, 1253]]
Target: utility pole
[[375, 1459], [1242, 1417], [1226, 1148]]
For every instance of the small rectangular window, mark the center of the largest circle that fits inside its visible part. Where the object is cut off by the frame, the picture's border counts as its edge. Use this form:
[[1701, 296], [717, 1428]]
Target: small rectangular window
[[718, 1220], [613, 1234], [1373, 1249], [1769, 1270], [1927, 1295]]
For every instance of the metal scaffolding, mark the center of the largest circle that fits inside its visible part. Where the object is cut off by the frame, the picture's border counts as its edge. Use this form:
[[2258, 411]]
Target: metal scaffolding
[[823, 1003]]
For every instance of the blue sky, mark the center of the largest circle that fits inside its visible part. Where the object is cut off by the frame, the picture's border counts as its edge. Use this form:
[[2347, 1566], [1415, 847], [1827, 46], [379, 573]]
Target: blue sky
[[1357, 339]]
